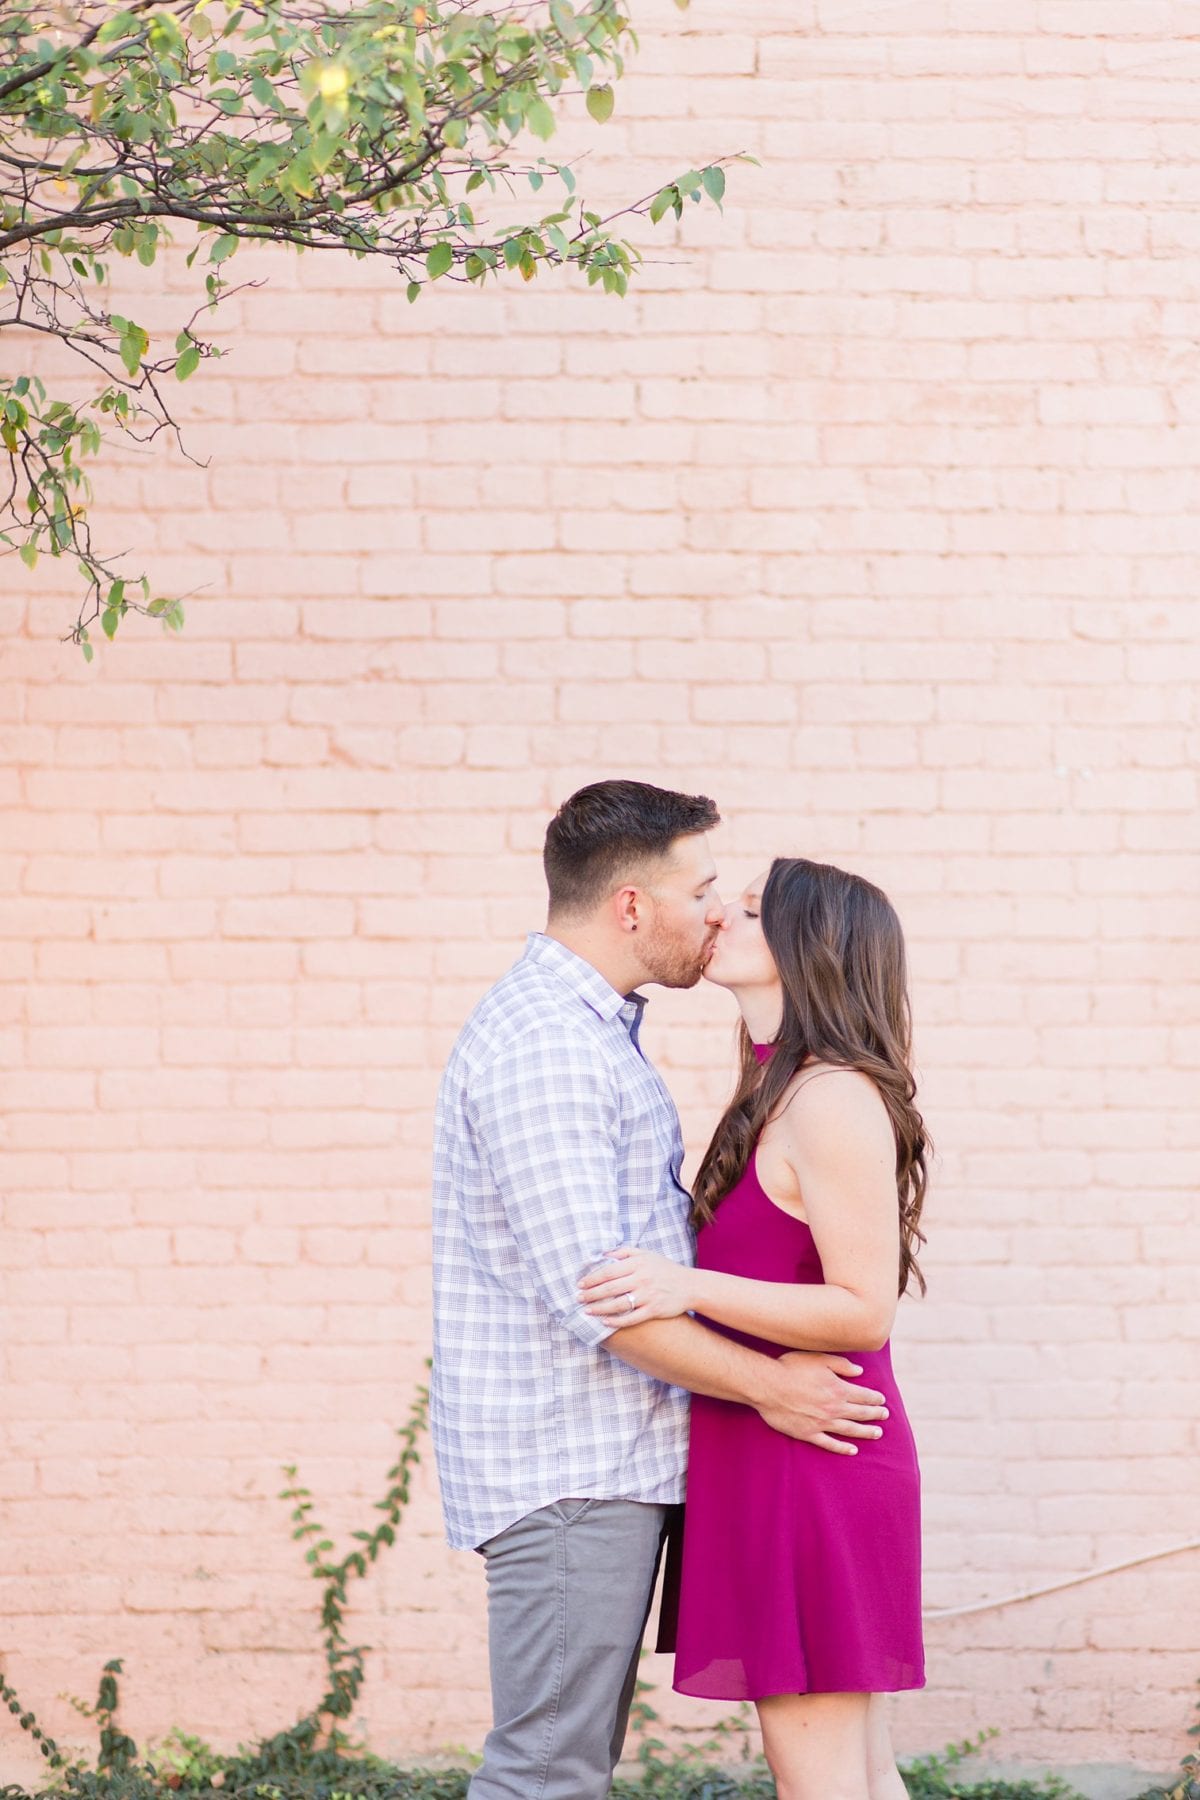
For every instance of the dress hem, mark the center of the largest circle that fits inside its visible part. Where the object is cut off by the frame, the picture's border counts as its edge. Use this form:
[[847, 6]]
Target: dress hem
[[900, 1687]]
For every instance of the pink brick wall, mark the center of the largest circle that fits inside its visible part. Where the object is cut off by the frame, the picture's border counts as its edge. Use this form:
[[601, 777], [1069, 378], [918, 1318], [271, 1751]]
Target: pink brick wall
[[872, 512]]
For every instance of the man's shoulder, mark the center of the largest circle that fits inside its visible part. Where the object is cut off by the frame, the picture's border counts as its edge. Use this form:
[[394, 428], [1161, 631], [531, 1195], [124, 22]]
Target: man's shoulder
[[527, 1004]]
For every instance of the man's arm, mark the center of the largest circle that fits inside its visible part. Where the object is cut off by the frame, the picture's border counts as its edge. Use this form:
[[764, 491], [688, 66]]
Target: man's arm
[[804, 1394], [548, 1127], [546, 1121]]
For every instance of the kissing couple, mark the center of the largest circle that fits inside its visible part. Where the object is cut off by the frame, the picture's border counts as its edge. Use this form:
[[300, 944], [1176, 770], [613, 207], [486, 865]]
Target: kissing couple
[[586, 1304]]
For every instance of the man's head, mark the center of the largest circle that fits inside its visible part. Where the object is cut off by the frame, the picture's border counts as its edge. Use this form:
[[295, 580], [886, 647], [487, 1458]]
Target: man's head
[[630, 864]]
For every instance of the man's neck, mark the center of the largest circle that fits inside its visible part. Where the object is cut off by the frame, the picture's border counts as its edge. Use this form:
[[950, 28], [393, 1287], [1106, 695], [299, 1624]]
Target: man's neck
[[620, 970]]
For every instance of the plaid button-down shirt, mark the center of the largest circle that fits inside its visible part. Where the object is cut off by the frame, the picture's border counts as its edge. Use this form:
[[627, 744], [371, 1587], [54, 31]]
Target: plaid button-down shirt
[[556, 1140]]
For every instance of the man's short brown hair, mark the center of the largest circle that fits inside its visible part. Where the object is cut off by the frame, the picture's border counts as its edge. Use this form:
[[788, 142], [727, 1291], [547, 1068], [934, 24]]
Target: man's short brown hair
[[609, 831]]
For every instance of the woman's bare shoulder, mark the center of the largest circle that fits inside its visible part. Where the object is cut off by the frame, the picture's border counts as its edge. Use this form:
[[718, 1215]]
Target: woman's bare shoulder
[[827, 1101]]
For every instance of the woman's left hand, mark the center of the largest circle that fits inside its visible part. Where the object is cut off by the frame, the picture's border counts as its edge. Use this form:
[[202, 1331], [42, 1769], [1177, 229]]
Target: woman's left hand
[[657, 1288]]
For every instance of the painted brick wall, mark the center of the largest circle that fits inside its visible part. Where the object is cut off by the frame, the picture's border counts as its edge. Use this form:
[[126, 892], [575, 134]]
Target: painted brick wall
[[874, 514]]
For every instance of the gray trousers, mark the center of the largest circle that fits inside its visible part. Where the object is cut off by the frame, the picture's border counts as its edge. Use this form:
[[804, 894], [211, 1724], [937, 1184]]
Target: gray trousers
[[569, 1591]]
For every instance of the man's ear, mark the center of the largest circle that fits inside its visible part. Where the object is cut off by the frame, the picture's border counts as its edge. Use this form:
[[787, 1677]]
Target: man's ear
[[628, 908]]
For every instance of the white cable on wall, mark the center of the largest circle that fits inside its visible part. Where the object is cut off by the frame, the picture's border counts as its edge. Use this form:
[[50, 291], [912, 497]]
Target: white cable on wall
[[1053, 1587]]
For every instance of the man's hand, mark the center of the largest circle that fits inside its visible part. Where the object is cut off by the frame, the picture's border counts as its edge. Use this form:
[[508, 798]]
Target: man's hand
[[808, 1397], [804, 1394]]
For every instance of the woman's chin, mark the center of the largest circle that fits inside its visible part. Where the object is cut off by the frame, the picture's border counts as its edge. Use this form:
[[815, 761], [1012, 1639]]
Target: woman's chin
[[713, 976]]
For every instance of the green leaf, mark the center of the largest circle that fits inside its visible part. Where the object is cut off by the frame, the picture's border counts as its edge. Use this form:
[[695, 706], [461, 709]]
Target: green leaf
[[109, 621], [440, 258], [224, 248], [540, 119], [413, 291], [536, 180], [28, 554], [88, 652], [600, 104], [188, 362], [714, 182], [324, 151], [661, 203], [134, 344]]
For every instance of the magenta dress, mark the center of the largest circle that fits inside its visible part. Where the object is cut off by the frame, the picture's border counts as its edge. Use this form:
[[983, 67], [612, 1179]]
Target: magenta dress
[[801, 1569]]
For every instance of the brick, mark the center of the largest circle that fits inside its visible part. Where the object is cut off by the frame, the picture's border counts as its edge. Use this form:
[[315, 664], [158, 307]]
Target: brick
[[870, 512]]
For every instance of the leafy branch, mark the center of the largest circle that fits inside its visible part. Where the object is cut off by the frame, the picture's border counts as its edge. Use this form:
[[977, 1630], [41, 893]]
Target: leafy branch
[[380, 129], [345, 1662], [118, 1752], [27, 1720]]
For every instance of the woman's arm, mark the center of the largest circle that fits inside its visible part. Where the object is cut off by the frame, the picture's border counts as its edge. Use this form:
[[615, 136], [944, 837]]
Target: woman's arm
[[837, 1137]]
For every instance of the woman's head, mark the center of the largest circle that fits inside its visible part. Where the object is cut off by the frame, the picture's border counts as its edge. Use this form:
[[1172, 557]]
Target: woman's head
[[829, 946]]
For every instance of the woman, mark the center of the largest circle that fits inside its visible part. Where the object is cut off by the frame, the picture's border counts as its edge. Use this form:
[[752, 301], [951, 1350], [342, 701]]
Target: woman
[[801, 1568]]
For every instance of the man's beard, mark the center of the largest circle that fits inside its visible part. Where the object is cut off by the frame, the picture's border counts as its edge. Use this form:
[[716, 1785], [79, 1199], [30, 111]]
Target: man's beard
[[669, 962]]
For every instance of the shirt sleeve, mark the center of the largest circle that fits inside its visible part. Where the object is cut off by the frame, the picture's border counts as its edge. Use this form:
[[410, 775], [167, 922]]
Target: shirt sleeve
[[546, 1120]]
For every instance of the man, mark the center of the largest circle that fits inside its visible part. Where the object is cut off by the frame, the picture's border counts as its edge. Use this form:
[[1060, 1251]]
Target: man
[[561, 1445]]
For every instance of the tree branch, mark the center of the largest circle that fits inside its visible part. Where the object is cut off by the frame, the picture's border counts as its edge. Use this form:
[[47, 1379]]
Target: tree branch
[[37, 71]]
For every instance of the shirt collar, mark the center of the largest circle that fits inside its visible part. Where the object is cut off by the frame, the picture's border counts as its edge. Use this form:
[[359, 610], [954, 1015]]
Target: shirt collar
[[582, 977]]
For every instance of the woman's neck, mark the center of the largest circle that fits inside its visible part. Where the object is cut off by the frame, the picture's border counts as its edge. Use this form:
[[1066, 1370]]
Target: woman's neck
[[762, 1011]]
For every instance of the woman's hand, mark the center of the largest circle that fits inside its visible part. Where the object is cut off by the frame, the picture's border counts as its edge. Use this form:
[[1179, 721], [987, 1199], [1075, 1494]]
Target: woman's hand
[[644, 1286]]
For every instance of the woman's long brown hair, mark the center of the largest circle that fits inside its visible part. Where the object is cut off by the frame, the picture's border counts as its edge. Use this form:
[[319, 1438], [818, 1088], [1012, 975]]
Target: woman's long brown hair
[[839, 949]]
